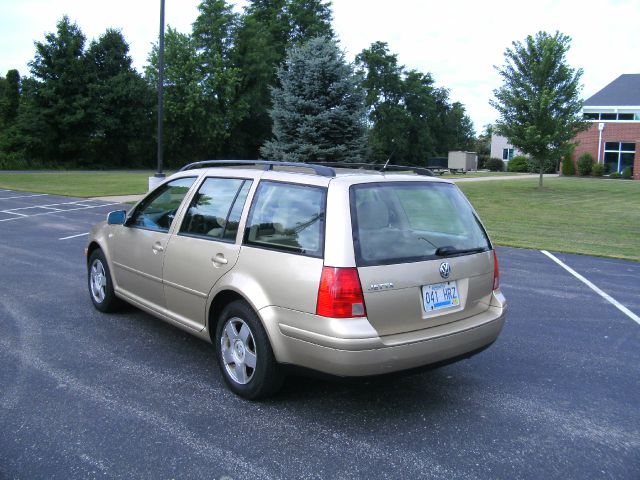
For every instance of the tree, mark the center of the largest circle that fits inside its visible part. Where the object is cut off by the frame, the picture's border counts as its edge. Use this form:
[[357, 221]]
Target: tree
[[9, 97], [410, 118], [184, 102], [214, 34], [266, 30], [538, 103], [58, 110], [121, 105], [309, 19], [482, 145], [318, 112]]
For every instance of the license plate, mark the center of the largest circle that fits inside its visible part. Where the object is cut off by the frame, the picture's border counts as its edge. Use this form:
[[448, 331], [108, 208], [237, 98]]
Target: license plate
[[440, 295]]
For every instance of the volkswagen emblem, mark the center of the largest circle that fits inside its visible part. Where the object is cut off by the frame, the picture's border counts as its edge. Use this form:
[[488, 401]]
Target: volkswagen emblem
[[445, 269]]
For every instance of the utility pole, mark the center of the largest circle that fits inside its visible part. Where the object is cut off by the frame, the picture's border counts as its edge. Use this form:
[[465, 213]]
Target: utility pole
[[159, 176]]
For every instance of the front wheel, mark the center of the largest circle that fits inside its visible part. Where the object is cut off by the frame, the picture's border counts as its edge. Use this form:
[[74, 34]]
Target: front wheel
[[244, 353], [100, 284]]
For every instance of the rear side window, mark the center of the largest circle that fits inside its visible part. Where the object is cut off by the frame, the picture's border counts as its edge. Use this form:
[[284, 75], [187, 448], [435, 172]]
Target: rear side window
[[400, 222], [215, 209], [287, 217]]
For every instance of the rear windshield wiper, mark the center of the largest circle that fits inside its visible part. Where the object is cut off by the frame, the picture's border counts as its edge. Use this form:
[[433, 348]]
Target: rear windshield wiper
[[449, 251]]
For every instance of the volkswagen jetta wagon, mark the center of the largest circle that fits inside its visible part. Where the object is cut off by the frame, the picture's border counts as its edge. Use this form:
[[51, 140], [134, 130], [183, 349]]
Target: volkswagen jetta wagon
[[342, 271]]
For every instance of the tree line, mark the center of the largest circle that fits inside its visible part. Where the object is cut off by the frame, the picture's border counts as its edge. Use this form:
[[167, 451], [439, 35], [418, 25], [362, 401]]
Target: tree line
[[84, 105]]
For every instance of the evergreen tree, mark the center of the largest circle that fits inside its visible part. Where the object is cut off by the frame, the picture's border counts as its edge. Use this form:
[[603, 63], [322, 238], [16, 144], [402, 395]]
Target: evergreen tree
[[10, 93], [9, 98], [318, 112], [267, 29], [213, 32], [56, 119], [308, 19], [121, 105], [539, 101]]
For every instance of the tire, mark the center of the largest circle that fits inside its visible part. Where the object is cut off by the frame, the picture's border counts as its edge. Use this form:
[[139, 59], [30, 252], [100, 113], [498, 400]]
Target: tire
[[244, 353], [100, 284]]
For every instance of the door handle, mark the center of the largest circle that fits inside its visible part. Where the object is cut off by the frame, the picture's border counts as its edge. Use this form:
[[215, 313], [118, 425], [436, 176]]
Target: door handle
[[157, 247], [219, 259]]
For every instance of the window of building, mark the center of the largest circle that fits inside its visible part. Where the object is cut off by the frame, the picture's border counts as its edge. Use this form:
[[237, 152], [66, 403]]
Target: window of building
[[507, 153], [611, 116], [619, 155]]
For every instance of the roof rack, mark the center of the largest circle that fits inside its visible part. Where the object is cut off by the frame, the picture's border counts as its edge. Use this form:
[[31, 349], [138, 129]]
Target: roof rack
[[381, 167], [323, 170]]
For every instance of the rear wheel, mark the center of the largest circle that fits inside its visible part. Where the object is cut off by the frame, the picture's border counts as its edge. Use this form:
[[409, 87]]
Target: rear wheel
[[244, 353], [100, 284]]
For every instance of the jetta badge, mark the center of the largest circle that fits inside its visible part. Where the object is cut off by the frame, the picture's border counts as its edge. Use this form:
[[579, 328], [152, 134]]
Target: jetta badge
[[445, 269]]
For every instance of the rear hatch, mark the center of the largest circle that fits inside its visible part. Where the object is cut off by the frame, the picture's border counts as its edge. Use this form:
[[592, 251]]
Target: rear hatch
[[423, 257]]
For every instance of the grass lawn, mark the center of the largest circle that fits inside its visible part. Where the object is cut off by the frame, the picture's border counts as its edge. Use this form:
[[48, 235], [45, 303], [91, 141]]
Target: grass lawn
[[79, 183], [578, 215]]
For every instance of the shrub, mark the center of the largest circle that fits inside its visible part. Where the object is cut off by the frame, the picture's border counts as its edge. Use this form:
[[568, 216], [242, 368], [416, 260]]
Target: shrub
[[13, 161], [494, 164], [615, 175], [568, 168], [627, 173], [519, 163], [585, 164], [598, 169], [482, 161]]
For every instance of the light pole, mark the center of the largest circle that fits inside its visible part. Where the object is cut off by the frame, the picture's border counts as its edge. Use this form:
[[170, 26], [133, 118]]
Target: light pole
[[159, 176]]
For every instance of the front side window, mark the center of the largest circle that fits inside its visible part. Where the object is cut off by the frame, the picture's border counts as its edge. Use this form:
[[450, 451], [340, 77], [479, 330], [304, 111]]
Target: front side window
[[402, 222], [287, 217], [215, 209], [507, 153], [156, 212]]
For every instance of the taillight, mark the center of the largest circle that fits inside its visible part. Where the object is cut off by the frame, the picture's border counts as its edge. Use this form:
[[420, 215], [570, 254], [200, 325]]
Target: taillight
[[496, 271], [340, 293]]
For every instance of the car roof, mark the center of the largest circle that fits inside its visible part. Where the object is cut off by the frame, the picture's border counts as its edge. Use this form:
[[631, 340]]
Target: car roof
[[312, 174]]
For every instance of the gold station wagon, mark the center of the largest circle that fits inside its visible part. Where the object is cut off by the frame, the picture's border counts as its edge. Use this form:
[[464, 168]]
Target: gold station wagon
[[349, 272]]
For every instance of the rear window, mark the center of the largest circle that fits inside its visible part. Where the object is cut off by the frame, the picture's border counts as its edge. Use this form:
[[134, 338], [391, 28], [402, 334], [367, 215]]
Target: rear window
[[401, 222], [287, 217]]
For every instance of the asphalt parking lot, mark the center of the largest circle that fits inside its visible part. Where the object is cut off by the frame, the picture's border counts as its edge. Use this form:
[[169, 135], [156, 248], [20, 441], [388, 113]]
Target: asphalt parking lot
[[88, 395]]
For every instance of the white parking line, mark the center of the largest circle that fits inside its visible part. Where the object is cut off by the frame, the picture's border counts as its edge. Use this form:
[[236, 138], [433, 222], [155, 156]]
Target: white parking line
[[61, 211], [23, 196], [604, 295], [74, 236], [47, 205]]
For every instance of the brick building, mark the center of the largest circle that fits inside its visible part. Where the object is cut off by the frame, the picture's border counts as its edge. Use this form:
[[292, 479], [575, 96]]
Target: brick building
[[613, 138]]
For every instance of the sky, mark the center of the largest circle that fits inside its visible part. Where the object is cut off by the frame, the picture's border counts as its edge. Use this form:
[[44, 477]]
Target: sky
[[458, 41]]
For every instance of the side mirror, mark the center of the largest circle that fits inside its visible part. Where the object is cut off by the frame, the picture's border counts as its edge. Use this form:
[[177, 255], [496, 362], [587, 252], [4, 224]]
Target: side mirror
[[117, 218]]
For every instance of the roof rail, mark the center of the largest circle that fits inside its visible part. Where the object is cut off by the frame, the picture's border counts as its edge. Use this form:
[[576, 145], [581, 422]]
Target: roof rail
[[381, 167], [323, 170]]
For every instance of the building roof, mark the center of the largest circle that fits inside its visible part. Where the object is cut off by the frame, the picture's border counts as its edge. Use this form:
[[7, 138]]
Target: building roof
[[623, 91]]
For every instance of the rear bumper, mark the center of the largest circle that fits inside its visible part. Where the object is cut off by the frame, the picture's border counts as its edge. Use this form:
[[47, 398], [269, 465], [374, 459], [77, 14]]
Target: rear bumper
[[354, 357]]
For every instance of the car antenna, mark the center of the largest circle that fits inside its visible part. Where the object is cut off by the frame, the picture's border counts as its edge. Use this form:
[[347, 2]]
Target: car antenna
[[395, 147]]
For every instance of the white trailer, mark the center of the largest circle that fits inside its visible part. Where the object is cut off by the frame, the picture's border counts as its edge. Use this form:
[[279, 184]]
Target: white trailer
[[462, 162]]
